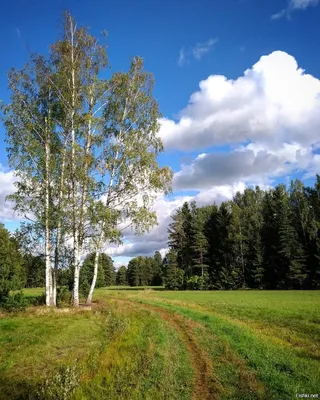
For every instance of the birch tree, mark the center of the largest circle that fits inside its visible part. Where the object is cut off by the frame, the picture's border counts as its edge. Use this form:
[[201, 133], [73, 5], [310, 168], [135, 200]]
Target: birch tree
[[83, 149], [131, 176], [32, 148], [79, 58]]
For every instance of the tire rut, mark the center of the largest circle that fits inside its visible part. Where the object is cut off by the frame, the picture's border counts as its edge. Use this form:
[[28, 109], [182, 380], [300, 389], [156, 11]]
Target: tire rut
[[205, 386]]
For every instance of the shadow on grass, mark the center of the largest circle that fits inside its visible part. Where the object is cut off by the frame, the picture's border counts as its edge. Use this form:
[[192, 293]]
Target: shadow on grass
[[134, 288], [14, 389]]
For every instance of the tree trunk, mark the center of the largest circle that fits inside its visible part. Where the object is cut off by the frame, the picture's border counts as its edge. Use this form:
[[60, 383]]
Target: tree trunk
[[73, 177], [76, 286], [54, 287], [48, 270], [94, 279], [59, 235], [76, 272], [201, 263], [242, 260], [47, 231]]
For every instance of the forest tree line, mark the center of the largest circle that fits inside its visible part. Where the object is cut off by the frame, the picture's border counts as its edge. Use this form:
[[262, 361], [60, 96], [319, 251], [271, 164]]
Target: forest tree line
[[260, 240]]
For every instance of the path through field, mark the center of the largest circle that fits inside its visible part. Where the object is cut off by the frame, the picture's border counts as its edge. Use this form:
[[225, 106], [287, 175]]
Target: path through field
[[203, 378]]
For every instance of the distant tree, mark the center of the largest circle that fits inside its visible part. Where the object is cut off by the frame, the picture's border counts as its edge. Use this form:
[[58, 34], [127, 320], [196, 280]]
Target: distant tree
[[148, 271], [106, 263], [180, 238], [12, 274], [157, 269], [313, 231], [121, 279], [133, 272], [35, 268], [199, 242], [174, 278]]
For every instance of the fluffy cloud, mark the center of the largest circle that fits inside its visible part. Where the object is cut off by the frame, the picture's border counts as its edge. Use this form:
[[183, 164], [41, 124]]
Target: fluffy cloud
[[251, 164], [273, 102]]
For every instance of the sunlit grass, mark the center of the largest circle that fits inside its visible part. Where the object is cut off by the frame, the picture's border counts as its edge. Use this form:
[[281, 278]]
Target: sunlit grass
[[119, 351], [273, 335], [261, 345]]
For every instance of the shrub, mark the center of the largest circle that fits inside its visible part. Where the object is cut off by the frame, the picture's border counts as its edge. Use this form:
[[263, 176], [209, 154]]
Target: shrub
[[37, 300], [64, 296], [174, 279], [198, 282], [12, 274], [84, 288], [15, 302]]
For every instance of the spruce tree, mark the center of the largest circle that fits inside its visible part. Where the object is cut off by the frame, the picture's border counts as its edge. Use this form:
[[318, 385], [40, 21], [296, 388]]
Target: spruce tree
[[199, 242], [174, 278], [121, 279]]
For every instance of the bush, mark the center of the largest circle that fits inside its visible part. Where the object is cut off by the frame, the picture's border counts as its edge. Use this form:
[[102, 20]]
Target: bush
[[198, 282], [15, 302], [12, 273], [64, 296], [174, 279], [37, 300], [84, 288]]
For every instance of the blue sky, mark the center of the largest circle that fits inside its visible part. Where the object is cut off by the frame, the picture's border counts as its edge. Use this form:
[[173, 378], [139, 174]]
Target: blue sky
[[260, 127]]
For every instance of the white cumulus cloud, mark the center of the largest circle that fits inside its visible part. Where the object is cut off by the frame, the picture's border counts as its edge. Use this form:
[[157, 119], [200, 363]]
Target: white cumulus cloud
[[7, 180], [275, 101]]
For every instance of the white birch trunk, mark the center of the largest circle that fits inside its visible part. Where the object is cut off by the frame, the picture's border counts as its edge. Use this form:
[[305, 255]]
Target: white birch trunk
[[101, 237], [48, 267], [47, 229], [58, 238], [73, 179], [95, 269], [84, 189], [76, 273], [94, 279]]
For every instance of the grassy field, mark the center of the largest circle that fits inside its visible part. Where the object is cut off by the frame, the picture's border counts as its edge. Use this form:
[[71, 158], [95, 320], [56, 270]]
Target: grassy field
[[154, 344]]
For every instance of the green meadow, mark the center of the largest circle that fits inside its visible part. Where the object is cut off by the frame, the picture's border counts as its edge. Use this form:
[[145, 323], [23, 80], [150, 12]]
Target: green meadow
[[155, 344]]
